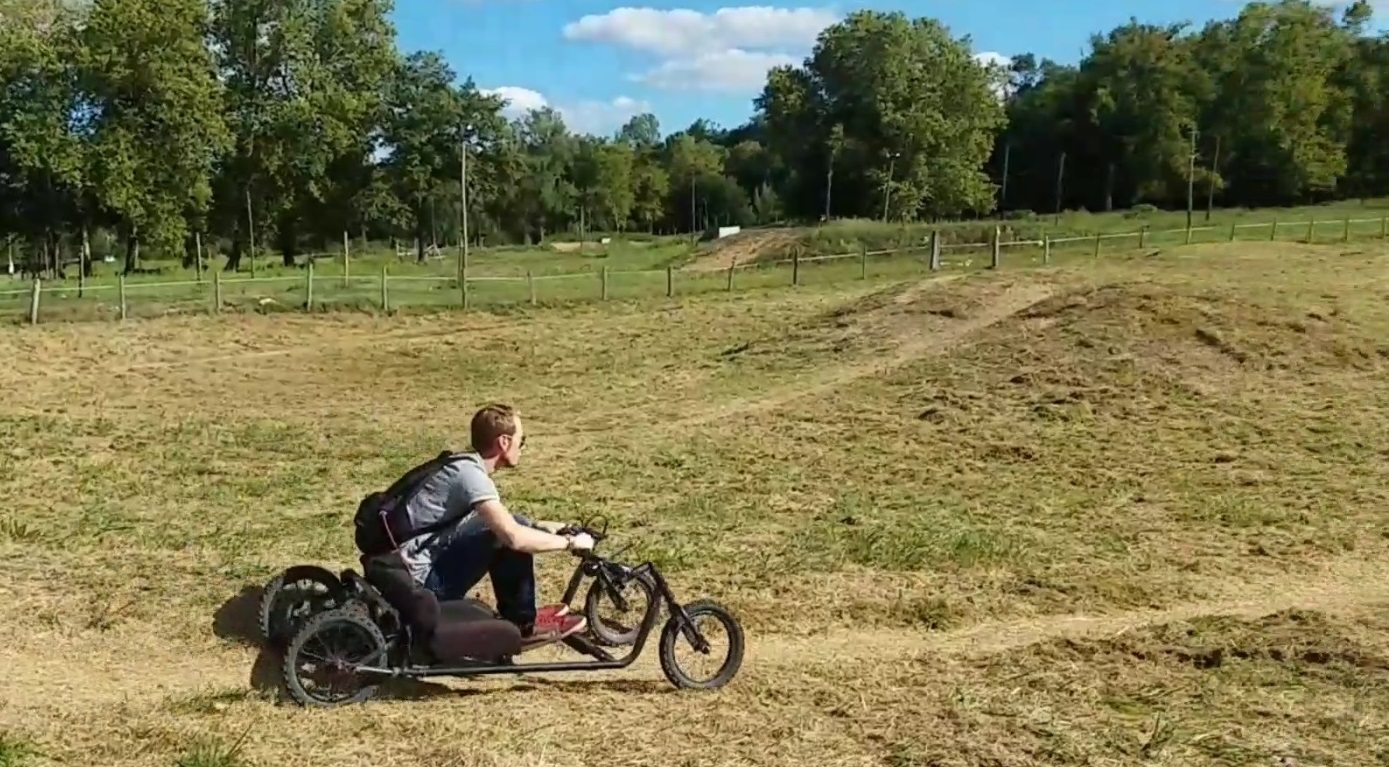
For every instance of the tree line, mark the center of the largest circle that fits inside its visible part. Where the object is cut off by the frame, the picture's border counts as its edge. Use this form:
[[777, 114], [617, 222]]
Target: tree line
[[282, 124]]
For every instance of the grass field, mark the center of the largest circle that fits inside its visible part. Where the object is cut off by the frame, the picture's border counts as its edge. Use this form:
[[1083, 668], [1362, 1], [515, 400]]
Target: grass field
[[1117, 511]]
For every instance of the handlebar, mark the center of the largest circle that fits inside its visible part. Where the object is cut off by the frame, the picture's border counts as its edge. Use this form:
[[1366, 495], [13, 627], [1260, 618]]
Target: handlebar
[[591, 528]]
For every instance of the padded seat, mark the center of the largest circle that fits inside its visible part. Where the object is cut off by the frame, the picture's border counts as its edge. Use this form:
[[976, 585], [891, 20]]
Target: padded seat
[[451, 631]]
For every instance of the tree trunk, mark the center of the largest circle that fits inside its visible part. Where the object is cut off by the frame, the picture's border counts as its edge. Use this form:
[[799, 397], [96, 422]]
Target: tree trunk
[[132, 248], [419, 233], [237, 248]]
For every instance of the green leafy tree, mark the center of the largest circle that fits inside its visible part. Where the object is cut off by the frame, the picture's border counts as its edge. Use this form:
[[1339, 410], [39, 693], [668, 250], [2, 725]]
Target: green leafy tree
[[157, 130]]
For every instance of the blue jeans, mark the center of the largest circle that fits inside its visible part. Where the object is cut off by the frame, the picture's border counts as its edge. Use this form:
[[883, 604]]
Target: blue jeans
[[472, 551]]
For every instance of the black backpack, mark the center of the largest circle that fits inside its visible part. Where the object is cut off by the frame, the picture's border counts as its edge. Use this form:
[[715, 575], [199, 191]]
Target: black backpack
[[381, 522]]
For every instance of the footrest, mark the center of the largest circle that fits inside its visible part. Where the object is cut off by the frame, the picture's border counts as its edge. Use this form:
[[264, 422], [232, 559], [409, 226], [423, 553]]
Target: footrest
[[582, 644]]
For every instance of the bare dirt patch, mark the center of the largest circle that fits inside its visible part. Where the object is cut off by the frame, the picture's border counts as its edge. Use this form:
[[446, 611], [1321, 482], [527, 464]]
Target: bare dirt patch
[[745, 248]]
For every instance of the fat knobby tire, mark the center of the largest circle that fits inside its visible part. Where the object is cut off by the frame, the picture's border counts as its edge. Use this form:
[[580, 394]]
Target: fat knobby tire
[[313, 626]]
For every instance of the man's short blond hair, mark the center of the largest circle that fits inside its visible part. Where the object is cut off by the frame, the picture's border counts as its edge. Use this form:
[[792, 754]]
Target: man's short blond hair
[[491, 422]]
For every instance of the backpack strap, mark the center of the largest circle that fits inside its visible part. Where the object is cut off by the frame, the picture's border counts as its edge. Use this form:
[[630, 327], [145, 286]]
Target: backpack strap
[[404, 490]]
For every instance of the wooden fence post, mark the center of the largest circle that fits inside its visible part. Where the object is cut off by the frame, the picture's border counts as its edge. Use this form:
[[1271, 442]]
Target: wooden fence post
[[308, 287], [216, 291], [995, 250], [935, 250], [1383, 227], [731, 268], [670, 281], [1233, 226], [1345, 233], [346, 259], [1273, 231], [1096, 254], [1046, 248], [1311, 230], [34, 302], [385, 296], [1142, 236], [863, 262], [605, 282], [120, 289], [530, 285], [796, 266]]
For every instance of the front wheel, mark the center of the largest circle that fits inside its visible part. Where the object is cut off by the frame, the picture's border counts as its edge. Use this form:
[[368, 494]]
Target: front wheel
[[329, 648], [700, 613]]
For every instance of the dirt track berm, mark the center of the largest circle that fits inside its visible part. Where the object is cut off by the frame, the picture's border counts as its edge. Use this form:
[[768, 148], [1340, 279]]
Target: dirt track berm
[[379, 625]]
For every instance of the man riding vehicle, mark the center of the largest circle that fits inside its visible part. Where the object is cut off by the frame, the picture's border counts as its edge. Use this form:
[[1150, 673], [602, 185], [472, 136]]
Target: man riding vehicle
[[446, 521]]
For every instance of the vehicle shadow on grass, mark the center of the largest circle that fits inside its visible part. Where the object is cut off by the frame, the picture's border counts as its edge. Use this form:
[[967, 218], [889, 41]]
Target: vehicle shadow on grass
[[237, 620], [418, 689]]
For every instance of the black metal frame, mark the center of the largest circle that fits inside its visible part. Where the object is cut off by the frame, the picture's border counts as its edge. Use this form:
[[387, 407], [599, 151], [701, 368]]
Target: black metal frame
[[608, 573]]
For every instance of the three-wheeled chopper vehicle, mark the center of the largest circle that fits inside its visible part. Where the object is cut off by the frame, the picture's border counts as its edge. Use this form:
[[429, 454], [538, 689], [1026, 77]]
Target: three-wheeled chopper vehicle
[[362, 629]]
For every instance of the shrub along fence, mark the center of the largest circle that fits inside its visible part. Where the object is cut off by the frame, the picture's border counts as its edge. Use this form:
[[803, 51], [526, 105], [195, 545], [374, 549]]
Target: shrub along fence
[[383, 292]]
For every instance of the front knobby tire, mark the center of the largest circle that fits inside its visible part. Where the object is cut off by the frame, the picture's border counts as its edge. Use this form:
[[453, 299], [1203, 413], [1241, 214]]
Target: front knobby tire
[[294, 596], [701, 611], [334, 643]]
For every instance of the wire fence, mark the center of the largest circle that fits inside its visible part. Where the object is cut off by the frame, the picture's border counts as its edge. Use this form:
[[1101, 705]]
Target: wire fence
[[384, 292]]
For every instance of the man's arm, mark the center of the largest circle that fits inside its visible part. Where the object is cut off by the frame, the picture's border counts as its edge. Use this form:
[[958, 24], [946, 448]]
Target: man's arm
[[515, 535]]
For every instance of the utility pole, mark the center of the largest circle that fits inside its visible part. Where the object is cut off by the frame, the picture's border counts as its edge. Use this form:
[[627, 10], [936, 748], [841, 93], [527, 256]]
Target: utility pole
[[463, 228], [1210, 182], [1060, 184], [1190, 179], [1003, 191], [887, 185], [694, 224]]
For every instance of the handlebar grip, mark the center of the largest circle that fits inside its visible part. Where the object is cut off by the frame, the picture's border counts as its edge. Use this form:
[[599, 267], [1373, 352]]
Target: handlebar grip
[[576, 529]]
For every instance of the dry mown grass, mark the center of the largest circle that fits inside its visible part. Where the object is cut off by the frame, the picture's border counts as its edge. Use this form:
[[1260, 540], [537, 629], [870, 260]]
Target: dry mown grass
[[976, 521]]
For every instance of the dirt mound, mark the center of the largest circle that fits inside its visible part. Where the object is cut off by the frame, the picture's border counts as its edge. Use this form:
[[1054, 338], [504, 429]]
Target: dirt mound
[[1210, 329], [1144, 357], [1305, 641], [746, 247], [893, 321], [1289, 688]]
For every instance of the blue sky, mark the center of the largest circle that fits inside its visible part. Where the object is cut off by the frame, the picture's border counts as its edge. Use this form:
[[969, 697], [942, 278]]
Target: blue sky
[[601, 62]]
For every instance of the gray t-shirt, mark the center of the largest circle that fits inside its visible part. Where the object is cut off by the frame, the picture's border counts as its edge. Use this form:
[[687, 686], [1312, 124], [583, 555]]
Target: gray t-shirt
[[452, 492]]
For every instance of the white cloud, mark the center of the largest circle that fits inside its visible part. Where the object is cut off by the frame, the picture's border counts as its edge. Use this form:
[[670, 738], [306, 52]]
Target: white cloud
[[518, 100], [684, 32], [731, 71], [990, 57], [999, 63], [594, 117], [728, 51]]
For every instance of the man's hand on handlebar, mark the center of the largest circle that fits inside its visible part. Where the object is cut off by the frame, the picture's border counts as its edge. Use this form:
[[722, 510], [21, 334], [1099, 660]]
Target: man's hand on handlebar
[[580, 542]]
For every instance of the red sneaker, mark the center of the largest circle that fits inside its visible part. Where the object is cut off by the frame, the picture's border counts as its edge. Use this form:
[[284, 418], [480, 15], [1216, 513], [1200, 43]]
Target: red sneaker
[[554, 611], [550, 627]]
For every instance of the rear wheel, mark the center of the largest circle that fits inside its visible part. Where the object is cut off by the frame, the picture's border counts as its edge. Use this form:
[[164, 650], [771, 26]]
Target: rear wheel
[[320, 666], [718, 627], [293, 597]]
